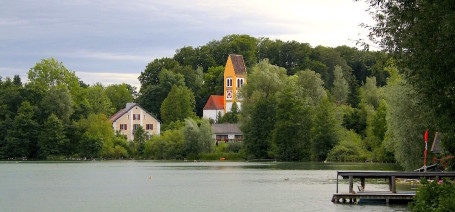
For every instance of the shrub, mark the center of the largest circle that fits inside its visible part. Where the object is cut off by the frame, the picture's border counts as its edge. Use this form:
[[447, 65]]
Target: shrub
[[434, 196]]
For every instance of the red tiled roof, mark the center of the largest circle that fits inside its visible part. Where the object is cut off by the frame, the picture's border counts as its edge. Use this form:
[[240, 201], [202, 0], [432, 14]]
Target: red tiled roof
[[238, 63], [215, 103]]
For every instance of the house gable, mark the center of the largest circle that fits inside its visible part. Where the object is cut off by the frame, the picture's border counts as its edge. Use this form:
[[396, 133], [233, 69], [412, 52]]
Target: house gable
[[133, 116]]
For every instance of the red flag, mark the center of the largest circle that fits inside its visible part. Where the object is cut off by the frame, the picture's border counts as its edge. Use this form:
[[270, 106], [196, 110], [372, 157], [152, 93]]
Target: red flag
[[426, 136], [426, 149]]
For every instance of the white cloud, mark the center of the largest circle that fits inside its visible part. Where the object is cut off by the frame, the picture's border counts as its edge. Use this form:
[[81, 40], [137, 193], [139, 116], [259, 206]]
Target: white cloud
[[109, 78], [108, 56], [123, 36]]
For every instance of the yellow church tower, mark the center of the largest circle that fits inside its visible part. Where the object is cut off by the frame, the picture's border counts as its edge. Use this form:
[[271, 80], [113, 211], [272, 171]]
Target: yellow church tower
[[234, 78]]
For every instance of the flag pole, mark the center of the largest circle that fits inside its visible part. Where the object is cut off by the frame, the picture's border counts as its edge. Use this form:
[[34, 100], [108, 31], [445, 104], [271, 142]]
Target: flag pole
[[426, 151]]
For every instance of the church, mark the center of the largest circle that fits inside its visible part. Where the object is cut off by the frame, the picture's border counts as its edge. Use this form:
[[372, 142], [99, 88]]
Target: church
[[234, 78]]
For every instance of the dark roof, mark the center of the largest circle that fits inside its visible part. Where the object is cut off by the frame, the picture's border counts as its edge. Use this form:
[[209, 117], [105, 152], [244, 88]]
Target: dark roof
[[215, 102], [436, 147], [372, 174], [238, 63], [226, 129], [128, 107]]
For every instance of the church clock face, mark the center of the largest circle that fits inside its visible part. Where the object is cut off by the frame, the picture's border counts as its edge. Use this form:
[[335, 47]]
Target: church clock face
[[228, 94]]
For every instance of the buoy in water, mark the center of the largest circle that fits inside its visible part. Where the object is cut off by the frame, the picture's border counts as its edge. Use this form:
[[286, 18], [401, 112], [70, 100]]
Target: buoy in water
[[150, 177]]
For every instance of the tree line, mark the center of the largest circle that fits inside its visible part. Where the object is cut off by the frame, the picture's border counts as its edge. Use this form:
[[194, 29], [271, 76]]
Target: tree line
[[301, 103]]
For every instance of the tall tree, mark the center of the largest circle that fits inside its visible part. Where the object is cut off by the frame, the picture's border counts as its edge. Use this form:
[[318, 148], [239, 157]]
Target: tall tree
[[138, 144], [98, 100], [52, 139], [259, 108], [369, 92], [152, 96], [119, 95], [420, 35], [340, 88], [21, 138], [291, 133], [324, 132], [57, 101], [150, 76], [93, 132], [197, 139], [311, 86], [178, 105]]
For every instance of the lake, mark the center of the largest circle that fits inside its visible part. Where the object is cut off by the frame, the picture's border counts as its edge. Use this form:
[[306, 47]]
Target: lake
[[179, 186]]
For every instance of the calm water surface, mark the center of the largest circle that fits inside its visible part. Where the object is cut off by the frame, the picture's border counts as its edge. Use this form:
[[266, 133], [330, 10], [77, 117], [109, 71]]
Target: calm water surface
[[178, 186]]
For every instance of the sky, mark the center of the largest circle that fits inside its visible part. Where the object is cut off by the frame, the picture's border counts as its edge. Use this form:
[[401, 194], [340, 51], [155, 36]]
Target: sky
[[112, 41]]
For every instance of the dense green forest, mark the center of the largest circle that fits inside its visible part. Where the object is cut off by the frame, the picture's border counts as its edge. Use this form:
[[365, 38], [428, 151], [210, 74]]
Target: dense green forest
[[301, 103]]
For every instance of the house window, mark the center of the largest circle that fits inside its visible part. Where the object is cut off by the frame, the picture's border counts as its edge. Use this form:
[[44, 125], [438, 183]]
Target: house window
[[228, 82], [136, 126], [239, 82], [148, 137], [123, 127], [136, 117], [149, 126]]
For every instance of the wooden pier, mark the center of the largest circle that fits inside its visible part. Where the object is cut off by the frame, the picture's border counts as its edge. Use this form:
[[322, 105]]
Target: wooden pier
[[392, 194]]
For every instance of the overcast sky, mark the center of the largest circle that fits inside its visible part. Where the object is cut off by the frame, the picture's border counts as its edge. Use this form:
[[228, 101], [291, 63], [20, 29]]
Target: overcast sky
[[112, 41]]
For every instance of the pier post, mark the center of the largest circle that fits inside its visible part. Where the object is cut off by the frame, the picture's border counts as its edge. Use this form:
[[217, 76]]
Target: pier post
[[337, 182], [390, 183], [394, 186], [351, 184], [362, 183]]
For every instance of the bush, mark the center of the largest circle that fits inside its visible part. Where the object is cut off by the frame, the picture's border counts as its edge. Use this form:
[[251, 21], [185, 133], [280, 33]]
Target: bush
[[434, 196]]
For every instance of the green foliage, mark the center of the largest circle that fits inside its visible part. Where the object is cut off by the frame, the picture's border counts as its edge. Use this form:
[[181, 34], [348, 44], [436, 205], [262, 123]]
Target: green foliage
[[93, 132], [407, 120], [355, 119], [214, 81], [264, 81], [325, 60], [257, 129], [434, 196], [351, 148], [259, 107], [57, 101], [168, 146], [369, 92], [21, 138], [98, 100], [52, 140], [235, 147], [152, 95], [311, 86], [119, 95], [340, 88], [231, 116], [291, 133], [376, 129], [419, 35], [197, 139], [50, 73], [150, 76], [324, 132], [137, 145], [178, 105], [117, 148]]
